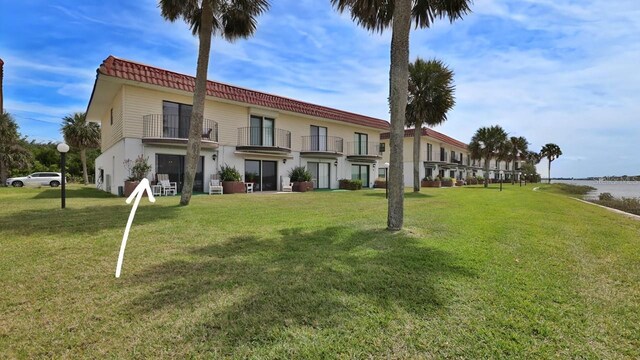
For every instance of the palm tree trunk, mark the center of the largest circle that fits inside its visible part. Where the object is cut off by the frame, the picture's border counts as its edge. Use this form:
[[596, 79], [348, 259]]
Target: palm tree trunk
[[197, 113], [417, 134], [4, 173], [486, 172], [549, 173], [513, 171], [83, 160], [398, 82]]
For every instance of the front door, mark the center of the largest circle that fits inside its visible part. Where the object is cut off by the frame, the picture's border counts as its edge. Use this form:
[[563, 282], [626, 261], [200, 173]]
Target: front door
[[360, 172], [264, 174], [320, 175], [174, 166]]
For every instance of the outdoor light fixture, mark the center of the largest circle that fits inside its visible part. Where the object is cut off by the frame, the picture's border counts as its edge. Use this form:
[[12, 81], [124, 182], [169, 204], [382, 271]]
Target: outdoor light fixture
[[214, 156], [63, 149], [336, 163], [284, 161]]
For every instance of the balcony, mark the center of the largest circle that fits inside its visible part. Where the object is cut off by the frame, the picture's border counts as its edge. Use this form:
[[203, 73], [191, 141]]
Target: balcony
[[264, 139], [363, 151], [174, 130], [322, 146]]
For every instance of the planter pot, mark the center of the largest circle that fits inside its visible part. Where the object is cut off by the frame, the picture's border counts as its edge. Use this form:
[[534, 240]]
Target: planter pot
[[233, 187], [425, 183], [472, 182], [129, 186], [447, 183], [380, 184], [302, 186], [459, 183]]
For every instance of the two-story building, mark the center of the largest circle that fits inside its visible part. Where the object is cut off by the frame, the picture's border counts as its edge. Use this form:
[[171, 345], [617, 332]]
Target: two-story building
[[145, 110]]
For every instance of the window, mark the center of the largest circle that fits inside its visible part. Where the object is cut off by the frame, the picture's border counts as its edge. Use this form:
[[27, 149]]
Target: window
[[176, 119], [429, 152], [318, 138], [443, 154], [111, 116], [452, 174], [261, 131], [429, 172], [361, 144], [382, 173], [453, 156]]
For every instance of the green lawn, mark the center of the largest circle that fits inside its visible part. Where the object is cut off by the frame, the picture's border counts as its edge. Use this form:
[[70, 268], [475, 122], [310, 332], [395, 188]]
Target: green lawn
[[477, 273]]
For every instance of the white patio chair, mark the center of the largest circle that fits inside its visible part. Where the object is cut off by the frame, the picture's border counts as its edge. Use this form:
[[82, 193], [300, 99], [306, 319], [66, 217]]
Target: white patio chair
[[215, 187], [286, 185], [248, 188], [168, 187]]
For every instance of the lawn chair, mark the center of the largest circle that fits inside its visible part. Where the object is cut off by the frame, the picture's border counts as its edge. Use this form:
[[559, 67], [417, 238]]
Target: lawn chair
[[215, 187], [168, 187], [207, 134], [286, 186]]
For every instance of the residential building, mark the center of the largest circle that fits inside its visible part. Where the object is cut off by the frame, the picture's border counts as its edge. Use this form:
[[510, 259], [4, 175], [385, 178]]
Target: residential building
[[145, 110]]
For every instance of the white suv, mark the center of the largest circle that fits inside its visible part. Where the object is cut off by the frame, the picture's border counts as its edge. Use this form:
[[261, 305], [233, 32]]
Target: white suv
[[40, 178]]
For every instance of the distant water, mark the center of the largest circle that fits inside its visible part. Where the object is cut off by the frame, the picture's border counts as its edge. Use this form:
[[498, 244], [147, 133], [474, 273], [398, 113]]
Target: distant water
[[616, 188]]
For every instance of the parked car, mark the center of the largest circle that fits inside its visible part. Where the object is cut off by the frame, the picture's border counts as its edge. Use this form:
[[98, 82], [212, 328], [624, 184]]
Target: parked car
[[38, 179]]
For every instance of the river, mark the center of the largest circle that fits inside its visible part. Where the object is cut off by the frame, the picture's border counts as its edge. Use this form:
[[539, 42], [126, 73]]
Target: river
[[616, 188]]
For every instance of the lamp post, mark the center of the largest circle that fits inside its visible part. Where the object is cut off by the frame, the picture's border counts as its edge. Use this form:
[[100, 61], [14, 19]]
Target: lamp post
[[386, 180], [63, 149]]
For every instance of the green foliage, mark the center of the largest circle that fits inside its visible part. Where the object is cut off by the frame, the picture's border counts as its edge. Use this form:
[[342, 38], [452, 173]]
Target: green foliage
[[80, 133], [630, 205], [228, 173], [480, 178], [431, 92], [550, 151], [349, 184], [488, 143], [605, 196], [13, 152], [138, 169], [574, 189], [299, 174], [250, 177]]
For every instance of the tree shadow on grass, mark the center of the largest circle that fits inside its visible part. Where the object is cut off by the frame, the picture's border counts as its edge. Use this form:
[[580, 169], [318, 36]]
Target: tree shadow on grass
[[85, 192], [407, 195], [86, 220], [250, 287]]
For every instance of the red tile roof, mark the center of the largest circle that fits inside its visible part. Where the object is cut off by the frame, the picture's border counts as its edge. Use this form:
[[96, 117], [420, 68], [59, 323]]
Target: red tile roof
[[431, 133], [130, 70]]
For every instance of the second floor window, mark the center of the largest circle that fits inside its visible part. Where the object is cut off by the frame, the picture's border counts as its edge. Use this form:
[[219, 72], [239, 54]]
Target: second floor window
[[176, 119], [443, 154], [429, 152], [318, 138], [261, 131], [361, 143], [453, 156]]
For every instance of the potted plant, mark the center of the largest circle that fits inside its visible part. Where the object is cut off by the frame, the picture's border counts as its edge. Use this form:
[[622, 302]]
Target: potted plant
[[447, 182], [301, 179], [348, 184], [138, 170], [459, 182], [428, 181], [231, 180], [472, 180]]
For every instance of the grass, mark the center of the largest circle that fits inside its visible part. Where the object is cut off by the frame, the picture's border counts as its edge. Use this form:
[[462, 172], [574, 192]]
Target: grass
[[477, 273]]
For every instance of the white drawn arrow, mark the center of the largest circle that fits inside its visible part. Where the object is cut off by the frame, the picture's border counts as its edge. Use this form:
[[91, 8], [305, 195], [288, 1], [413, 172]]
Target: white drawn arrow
[[137, 193]]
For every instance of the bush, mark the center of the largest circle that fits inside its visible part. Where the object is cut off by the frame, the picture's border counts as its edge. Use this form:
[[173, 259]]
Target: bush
[[446, 178], [138, 169], [299, 174], [630, 205], [605, 197], [427, 178], [228, 173], [350, 184], [480, 178], [574, 189]]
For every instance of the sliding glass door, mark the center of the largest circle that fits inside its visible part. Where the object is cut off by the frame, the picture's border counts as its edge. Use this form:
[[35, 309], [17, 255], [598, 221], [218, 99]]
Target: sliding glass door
[[174, 166], [264, 174], [360, 172], [320, 174]]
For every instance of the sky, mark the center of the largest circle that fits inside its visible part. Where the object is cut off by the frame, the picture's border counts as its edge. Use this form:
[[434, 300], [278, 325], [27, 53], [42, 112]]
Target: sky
[[554, 71]]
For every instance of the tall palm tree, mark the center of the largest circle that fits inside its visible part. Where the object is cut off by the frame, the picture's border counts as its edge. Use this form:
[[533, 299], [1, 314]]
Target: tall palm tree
[[12, 152], [430, 98], [378, 15], [81, 134], [551, 152], [486, 144], [1, 80], [519, 146], [230, 19]]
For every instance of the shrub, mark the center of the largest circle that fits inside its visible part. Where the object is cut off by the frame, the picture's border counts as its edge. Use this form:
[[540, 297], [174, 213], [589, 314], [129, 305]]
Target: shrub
[[299, 174], [350, 184], [605, 197], [228, 173], [574, 189], [138, 168], [480, 178], [446, 178], [630, 205], [427, 178]]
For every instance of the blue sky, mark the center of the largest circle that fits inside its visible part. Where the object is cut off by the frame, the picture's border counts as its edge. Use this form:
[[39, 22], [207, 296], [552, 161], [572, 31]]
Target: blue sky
[[552, 71]]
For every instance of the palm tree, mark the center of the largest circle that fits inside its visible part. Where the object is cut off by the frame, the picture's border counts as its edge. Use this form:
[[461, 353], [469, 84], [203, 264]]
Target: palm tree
[[82, 134], [1, 80], [230, 19], [488, 143], [430, 98], [519, 146], [551, 152], [12, 152], [378, 15]]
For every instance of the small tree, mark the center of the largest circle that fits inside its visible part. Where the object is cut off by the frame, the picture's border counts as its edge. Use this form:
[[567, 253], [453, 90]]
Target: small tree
[[13, 153], [83, 135], [551, 152], [486, 144]]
